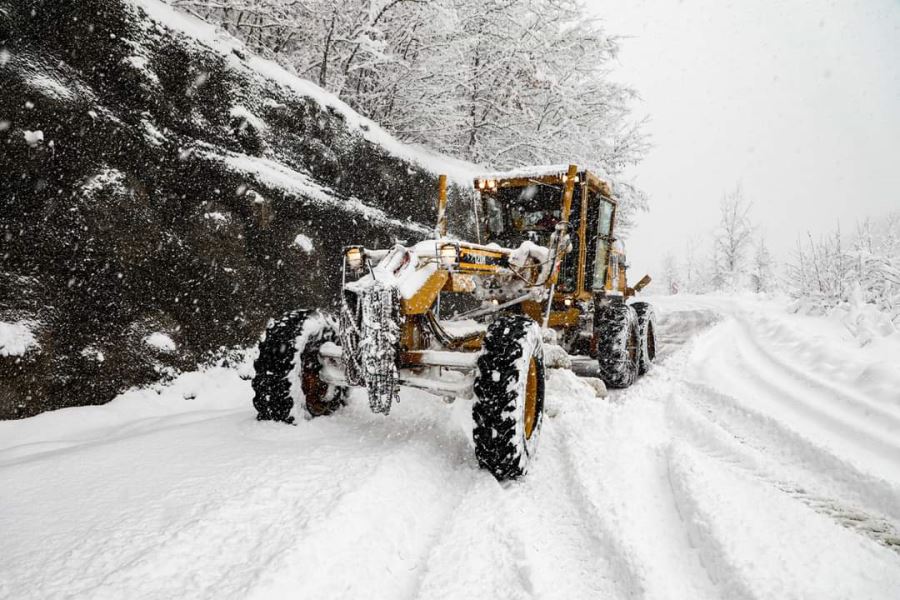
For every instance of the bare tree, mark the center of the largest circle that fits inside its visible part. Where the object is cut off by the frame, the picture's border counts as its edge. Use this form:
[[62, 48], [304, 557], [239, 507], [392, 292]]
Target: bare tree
[[671, 276], [733, 237], [692, 278], [761, 274]]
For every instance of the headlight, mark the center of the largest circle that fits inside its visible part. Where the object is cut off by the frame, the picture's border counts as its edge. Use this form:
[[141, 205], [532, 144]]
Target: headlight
[[354, 257], [449, 254]]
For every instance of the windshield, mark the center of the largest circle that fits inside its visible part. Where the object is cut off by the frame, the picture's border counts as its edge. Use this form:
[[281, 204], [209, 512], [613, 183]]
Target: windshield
[[513, 215]]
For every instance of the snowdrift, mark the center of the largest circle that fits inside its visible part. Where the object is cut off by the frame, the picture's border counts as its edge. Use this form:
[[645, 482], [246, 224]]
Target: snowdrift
[[156, 177]]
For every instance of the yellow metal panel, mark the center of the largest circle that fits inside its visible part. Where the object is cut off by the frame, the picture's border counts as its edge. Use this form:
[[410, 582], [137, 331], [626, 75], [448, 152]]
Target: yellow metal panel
[[442, 206], [644, 282], [582, 238], [564, 216], [422, 301], [564, 318], [533, 309], [558, 318], [480, 252], [569, 191], [477, 267]]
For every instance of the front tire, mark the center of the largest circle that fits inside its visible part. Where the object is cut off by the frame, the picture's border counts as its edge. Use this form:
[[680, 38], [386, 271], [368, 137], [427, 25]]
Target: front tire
[[288, 367], [509, 396], [618, 344], [646, 317]]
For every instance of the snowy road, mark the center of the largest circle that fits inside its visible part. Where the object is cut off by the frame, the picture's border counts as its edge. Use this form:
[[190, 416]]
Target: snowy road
[[760, 459]]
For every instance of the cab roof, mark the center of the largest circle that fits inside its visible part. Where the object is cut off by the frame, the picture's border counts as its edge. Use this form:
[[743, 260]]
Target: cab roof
[[548, 174]]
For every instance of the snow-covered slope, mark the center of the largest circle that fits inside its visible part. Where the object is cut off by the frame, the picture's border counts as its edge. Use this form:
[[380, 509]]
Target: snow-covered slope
[[759, 459], [124, 125]]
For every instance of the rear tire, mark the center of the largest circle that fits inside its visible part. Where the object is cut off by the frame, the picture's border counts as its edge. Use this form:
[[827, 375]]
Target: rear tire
[[287, 369], [618, 344], [647, 326], [509, 396]]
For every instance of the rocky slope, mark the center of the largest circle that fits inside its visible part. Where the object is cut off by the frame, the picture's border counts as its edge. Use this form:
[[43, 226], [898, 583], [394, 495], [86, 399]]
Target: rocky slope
[[164, 193]]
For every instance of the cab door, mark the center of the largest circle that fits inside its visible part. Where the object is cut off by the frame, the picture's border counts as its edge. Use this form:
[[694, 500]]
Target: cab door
[[601, 241]]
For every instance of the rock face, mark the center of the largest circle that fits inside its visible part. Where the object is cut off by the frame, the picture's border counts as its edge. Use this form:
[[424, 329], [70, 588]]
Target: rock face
[[154, 181]]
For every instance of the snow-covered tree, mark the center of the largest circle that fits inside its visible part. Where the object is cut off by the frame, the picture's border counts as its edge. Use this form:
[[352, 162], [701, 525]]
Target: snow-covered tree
[[671, 273], [692, 276], [499, 82], [832, 270], [733, 239], [761, 273]]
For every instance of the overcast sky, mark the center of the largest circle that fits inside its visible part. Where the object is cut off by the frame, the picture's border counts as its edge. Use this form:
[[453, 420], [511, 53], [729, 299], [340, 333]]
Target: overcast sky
[[796, 100]]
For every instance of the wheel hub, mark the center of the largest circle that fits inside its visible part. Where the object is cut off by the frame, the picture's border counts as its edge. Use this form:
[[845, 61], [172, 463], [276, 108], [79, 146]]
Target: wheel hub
[[531, 392]]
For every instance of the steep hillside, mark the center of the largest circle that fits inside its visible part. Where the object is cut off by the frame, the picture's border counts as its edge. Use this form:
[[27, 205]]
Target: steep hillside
[[164, 193]]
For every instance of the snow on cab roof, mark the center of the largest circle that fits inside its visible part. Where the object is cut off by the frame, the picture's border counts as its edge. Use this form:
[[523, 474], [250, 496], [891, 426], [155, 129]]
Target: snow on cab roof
[[530, 171]]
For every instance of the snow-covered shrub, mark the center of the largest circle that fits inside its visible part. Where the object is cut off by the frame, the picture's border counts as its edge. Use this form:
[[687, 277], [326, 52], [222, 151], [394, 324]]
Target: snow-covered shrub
[[849, 272]]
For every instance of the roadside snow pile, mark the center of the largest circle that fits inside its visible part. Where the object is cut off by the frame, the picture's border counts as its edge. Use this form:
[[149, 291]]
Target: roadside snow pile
[[16, 338], [214, 388], [863, 320]]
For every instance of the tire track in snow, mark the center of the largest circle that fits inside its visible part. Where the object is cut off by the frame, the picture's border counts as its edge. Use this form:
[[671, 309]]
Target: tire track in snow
[[521, 539], [727, 362], [613, 467], [477, 554], [20, 454], [854, 403], [759, 543], [720, 428], [741, 433], [387, 523], [676, 328]]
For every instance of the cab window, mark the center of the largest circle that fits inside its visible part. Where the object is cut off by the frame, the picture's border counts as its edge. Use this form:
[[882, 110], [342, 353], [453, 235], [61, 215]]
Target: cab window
[[604, 240]]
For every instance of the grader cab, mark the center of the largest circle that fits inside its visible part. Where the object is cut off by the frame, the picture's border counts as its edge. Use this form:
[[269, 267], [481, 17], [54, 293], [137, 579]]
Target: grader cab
[[470, 319]]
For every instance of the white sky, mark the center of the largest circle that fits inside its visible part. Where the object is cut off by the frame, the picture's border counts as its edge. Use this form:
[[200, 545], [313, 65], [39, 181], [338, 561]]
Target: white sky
[[798, 100]]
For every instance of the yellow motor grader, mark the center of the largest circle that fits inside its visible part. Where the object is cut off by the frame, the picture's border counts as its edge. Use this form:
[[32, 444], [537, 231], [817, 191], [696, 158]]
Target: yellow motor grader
[[469, 319]]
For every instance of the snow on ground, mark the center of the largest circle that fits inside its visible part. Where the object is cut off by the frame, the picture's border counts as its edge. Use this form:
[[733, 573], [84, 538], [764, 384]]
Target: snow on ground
[[759, 459]]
